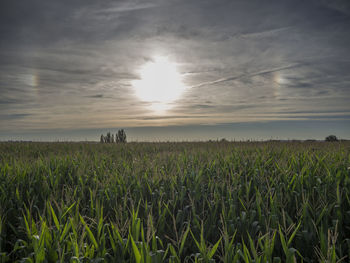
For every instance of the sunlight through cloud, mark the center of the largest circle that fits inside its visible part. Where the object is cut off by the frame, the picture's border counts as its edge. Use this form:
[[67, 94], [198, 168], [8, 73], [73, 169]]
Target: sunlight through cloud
[[160, 83]]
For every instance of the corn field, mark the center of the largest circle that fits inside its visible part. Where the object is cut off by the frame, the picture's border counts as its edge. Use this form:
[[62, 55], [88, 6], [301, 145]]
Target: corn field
[[175, 202]]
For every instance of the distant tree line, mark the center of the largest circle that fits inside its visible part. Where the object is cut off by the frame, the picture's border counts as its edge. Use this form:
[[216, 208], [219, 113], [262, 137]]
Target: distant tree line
[[331, 138], [120, 137]]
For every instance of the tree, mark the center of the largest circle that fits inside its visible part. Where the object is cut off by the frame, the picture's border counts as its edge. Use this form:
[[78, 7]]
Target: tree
[[120, 136], [331, 138], [109, 138]]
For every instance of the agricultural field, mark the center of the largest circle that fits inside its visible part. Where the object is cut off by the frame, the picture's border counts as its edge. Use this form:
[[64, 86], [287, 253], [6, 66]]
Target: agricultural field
[[175, 202]]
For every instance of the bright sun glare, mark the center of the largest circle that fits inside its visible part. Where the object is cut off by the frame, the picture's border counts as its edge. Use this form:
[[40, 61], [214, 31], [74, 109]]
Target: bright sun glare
[[160, 83]]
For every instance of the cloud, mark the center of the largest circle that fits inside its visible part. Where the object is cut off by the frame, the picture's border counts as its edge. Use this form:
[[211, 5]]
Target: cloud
[[7, 101], [263, 33], [172, 117], [266, 71], [96, 96], [11, 117], [68, 64], [341, 6], [125, 6]]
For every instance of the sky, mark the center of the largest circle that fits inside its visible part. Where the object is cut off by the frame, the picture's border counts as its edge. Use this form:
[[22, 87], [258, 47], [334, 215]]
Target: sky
[[71, 69]]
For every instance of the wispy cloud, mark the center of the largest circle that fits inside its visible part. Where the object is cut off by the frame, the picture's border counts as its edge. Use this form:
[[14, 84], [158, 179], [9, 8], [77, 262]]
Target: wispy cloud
[[96, 96], [263, 33], [267, 71], [14, 116], [125, 6], [67, 64]]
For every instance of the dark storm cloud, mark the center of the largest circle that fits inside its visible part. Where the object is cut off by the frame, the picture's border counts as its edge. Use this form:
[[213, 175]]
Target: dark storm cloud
[[71, 63]]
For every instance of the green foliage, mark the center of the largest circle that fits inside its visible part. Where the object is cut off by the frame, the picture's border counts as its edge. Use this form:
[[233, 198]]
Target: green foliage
[[175, 202]]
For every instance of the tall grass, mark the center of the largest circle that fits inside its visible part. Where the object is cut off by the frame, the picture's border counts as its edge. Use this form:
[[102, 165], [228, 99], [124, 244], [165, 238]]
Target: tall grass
[[175, 202]]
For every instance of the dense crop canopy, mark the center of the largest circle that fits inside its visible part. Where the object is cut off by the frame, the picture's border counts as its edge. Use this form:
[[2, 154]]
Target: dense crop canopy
[[175, 202]]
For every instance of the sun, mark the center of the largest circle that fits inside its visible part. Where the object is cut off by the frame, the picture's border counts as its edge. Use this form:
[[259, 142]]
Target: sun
[[160, 83]]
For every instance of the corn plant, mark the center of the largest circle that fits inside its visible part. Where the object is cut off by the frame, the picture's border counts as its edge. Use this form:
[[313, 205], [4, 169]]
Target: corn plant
[[175, 202]]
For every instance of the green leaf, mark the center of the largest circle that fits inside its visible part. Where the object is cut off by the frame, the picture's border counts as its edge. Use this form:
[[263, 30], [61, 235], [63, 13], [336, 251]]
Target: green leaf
[[214, 248], [293, 234], [195, 240], [183, 240], [283, 241], [135, 250], [65, 230], [64, 214], [252, 247], [91, 236], [54, 217]]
